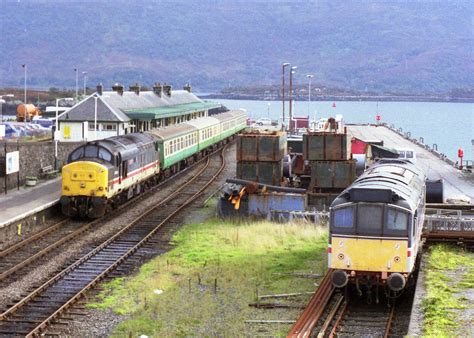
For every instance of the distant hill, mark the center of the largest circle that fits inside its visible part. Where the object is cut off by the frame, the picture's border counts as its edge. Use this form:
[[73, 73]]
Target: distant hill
[[379, 46]]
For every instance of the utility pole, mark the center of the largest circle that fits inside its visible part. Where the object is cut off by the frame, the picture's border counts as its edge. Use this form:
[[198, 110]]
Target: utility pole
[[285, 64], [292, 71]]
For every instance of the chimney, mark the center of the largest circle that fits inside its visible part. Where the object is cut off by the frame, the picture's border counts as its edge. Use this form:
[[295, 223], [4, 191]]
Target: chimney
[[100, 89], [135, 88], [158, 89], [187, 87], [167, 89], [118, 88]]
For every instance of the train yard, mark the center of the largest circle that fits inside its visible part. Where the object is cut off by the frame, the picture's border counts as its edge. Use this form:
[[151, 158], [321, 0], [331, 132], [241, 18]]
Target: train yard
[[54, 296], [91, 252]]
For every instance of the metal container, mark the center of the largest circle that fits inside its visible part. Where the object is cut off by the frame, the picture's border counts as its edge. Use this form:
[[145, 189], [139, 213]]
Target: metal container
[[263, 172], [261, 146], [332, 174], [322, 201], [295, 143], [263, 204], [321, 146]]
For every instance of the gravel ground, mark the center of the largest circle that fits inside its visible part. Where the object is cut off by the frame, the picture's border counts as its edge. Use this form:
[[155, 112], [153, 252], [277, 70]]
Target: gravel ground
[[100, 323]]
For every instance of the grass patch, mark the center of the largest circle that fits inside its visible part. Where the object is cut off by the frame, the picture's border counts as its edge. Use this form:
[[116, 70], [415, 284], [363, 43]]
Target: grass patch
[[241, 259], [450, 270]]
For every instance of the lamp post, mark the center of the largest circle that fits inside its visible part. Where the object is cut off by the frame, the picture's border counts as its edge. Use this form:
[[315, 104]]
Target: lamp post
[[77, 82], [292, 71], [283, 65], [95, 117], [26, 110], [56, 131], [309, 76], [25, 68], [1, 103], [85, 81]]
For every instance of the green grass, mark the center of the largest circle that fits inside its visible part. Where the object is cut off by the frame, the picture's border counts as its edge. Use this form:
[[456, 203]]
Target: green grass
[[243, 259], [450, 271]]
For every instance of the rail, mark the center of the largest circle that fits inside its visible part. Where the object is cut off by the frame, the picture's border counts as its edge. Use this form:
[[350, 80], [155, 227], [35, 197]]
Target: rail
[[313, 311], [106, 258]]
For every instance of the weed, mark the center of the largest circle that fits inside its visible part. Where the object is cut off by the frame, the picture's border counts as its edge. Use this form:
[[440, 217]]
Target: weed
[[212, 274], [442, 303]]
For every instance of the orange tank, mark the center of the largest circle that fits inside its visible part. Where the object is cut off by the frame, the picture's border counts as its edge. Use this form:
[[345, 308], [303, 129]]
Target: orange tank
[[26, 110]]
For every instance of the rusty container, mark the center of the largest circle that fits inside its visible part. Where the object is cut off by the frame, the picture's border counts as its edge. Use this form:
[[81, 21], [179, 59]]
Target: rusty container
[[321, 201], [322, 146], [269, 173], [263, 203], [260, 146], [332, 174]]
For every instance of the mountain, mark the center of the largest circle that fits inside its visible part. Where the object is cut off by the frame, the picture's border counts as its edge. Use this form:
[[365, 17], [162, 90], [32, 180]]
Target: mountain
[[380, 46]]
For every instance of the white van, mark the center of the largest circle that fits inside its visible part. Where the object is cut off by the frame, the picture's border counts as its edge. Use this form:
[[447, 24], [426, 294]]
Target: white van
[[407, 154]]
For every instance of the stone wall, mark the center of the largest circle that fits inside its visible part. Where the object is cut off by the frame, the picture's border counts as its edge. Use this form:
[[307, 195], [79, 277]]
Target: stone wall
[[33, 157]]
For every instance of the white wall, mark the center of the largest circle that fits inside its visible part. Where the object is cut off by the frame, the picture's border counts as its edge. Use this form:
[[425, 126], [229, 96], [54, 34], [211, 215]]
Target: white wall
[[76, 132]]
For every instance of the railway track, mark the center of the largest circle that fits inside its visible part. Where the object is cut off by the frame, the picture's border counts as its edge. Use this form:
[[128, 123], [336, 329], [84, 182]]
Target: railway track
[[36, 311], [15, 259], [332, 313]]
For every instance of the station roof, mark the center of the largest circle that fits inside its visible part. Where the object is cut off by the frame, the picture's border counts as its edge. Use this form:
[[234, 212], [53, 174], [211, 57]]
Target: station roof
[[123, 107], [169, 111]]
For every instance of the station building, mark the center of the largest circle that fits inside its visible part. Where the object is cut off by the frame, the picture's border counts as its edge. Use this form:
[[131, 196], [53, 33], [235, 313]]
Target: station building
[[120, 112]]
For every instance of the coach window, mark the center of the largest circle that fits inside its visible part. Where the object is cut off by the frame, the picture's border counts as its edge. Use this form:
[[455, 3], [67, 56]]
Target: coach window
[[343, 220], [369, 219], [397, 222]]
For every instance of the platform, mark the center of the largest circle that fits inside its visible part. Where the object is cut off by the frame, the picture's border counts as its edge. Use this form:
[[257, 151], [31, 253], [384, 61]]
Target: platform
[[19, 204], [458, 186]]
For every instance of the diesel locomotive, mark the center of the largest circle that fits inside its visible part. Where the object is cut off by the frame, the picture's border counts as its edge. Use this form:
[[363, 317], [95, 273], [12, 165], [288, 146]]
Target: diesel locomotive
[[103, 174], [375, 227]]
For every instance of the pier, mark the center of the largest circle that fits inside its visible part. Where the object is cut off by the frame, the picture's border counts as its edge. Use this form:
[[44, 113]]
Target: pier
[[458, 187]]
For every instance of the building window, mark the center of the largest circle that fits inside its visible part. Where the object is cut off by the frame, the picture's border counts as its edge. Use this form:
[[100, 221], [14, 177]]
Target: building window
[[109, 126]]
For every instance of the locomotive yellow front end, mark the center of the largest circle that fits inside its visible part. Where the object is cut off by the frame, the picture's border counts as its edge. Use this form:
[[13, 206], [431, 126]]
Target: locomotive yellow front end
[[84, 189], [376, 261]]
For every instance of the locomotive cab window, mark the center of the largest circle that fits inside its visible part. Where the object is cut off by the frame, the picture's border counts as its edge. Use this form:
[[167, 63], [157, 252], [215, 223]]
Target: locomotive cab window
[[369, 219], [343, 220], [397, 222], [76, 154], [105, 154], [90, 151]]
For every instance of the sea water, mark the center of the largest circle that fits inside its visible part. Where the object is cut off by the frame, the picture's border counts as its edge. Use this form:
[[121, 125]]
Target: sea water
[[449, 125]]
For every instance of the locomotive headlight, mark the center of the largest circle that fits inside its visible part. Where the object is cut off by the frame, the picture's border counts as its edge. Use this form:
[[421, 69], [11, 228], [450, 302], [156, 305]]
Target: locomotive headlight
[[340, 256], [83, 185], [101, 188], [396, 259], [66, 188]]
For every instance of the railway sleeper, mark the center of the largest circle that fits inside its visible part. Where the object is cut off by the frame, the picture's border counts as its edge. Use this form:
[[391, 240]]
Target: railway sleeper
[[12, 330], [362, 318], [374, 323]]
